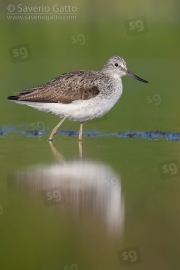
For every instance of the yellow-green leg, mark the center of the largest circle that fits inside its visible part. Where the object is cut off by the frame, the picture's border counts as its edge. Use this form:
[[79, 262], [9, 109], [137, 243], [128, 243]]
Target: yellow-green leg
[[55, 129], [80, 149], [80, 132]]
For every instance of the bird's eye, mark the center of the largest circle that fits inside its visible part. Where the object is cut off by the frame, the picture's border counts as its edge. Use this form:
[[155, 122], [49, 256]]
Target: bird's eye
[[116, 64]]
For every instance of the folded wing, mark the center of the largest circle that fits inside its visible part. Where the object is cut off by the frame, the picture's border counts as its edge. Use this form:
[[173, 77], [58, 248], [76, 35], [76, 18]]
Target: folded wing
[[74, 85]]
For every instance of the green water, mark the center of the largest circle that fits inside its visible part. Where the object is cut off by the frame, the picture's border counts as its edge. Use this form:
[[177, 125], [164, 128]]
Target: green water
[[117, 207]]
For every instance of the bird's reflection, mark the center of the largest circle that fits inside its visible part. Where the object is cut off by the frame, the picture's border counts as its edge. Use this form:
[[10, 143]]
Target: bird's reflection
[[81, 188]]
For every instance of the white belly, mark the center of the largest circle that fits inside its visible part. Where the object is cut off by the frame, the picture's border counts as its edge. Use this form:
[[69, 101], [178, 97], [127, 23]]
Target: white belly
[[80, 110]]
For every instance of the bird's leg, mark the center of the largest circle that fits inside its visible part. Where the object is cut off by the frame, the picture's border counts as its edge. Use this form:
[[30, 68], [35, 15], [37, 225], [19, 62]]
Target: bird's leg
[[56, 128], [80, 132], [80, 149], [56, 153]]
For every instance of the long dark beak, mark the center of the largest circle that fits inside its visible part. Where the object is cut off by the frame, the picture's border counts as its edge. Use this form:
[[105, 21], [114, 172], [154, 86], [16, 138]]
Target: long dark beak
[[135, 77]]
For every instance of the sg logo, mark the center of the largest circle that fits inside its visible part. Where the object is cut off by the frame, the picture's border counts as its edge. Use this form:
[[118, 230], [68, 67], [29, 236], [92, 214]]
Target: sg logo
[[38, 126], [53, 196], [136, 26], [80, 38], [113, 182], [129, 256], [20, 53], [156, 98], [71, 267], [169, 169]]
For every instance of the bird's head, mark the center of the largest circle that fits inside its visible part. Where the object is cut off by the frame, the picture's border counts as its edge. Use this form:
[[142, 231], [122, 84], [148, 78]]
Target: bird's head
[[116, 67]]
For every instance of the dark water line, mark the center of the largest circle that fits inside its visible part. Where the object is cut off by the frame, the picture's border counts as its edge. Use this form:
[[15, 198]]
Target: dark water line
[[172, 136]]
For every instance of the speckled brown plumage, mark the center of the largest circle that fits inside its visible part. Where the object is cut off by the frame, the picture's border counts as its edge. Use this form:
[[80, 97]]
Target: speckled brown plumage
[[74, 85], [94, 93]]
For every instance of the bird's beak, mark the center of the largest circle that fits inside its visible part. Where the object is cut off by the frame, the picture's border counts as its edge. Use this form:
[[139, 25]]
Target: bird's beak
[[135, 77]]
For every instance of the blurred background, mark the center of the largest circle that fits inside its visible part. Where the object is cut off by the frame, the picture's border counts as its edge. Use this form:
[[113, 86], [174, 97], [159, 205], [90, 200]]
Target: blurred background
[[38, 43], [99, 30]]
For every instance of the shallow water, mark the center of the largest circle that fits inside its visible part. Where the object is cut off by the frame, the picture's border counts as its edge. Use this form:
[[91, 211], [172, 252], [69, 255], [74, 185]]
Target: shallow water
[[102, 204]]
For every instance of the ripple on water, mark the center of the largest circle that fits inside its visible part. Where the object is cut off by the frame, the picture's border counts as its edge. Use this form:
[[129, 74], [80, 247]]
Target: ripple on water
[[172, 136]]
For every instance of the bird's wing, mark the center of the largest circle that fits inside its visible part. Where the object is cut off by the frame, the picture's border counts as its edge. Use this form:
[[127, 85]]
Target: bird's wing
[[74, 85]]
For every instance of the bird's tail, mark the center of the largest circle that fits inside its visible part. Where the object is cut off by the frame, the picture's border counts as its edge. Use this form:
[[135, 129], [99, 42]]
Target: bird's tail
[[13, 98]]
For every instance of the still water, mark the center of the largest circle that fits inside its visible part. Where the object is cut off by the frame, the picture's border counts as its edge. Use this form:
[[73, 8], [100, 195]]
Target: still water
[[104, 204]]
